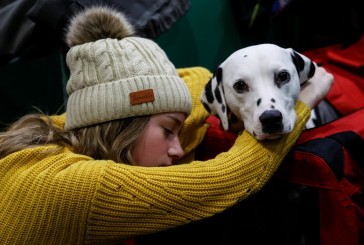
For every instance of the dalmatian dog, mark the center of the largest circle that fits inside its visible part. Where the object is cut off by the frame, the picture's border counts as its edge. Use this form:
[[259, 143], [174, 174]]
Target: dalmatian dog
[[256, 89]]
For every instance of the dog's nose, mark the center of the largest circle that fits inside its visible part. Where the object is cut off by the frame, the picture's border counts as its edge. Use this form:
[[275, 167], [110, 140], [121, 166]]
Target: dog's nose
[[271, 121]]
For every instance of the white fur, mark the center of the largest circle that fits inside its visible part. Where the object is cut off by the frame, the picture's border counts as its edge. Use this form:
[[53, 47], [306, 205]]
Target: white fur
[[258, 66]]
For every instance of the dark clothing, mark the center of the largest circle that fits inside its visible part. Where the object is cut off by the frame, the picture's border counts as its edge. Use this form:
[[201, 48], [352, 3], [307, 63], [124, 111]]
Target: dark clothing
[[31, 28]]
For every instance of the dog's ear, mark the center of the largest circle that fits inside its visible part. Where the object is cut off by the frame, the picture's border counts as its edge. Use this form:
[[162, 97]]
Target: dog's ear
[[213, 98], [305, 67]]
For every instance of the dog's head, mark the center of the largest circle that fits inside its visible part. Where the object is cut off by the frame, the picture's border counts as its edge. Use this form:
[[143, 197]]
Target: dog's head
[[256, 88]]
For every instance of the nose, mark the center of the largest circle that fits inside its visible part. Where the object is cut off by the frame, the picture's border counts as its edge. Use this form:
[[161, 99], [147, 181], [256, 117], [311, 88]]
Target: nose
[[271, 121], [175, 150]]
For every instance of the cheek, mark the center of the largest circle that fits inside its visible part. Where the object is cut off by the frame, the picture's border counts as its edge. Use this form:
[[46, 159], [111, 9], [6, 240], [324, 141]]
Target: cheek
[[151, 148]]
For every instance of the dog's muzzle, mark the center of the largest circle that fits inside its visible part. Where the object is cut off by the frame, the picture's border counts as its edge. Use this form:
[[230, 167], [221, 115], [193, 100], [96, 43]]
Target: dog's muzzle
[[271, 121]]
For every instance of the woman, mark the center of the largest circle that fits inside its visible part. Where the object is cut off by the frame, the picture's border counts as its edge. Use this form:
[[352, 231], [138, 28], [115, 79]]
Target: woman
[[61, 177]]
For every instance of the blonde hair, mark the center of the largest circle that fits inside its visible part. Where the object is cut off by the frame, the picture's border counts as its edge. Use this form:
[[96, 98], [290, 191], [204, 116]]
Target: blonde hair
[[111, 140]]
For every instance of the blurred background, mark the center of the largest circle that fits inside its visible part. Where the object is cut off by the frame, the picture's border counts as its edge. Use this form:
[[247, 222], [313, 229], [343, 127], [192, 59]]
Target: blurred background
[[33, 73]]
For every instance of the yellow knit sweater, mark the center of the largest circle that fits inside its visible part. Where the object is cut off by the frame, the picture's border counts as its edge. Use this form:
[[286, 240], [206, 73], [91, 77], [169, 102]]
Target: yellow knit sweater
[[66, 198]]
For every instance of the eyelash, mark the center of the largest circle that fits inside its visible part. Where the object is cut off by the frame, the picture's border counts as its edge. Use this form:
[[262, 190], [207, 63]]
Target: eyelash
[[167, 131]]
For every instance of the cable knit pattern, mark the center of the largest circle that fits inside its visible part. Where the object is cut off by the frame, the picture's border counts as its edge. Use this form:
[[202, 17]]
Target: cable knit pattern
[[65, 198], [104, 73]]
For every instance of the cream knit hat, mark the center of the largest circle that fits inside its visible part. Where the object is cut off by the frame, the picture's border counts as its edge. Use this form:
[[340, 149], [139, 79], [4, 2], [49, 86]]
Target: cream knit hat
[[114, 75]]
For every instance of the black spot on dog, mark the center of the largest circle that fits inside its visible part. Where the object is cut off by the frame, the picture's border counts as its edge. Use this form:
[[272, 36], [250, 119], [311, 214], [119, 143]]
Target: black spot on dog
[[208, 92], [218, 95], [223, 108], [272, 106], [273, 100], [259, 101], [206, 107], [298, 62], [312, 70], [245, 56], [218, 75]]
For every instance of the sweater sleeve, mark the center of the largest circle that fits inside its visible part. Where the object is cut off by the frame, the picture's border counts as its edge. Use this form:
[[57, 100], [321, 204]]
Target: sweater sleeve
[[52, 195], [137, 200], [195, 126]]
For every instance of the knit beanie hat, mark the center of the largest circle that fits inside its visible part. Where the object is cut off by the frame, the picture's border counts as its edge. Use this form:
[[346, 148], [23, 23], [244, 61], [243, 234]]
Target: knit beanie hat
[[114, 75]]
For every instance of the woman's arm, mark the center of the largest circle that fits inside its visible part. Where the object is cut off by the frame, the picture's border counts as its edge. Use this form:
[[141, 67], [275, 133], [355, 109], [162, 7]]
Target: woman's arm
[[154, 199], [137, 200], [121, 201]]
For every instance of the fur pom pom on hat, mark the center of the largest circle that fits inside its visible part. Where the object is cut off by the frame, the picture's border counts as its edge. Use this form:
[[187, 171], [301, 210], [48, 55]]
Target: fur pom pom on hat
[[114, 75]]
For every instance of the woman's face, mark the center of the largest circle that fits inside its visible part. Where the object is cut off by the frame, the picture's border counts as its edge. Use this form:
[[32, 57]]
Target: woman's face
[[159, 143]]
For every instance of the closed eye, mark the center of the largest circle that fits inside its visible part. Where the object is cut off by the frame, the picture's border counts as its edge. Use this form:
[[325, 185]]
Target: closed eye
[[281, 78], [167, 131], [240, 86]]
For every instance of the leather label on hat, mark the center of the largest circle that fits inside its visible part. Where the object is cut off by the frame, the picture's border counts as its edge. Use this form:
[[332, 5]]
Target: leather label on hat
[[142, 96]]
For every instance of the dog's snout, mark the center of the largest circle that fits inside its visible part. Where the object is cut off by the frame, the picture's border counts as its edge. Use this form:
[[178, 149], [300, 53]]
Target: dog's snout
[[271, 121]]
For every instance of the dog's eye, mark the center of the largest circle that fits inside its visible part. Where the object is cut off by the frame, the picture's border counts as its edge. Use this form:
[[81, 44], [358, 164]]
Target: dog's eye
[[240, 87], [282, 78]]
